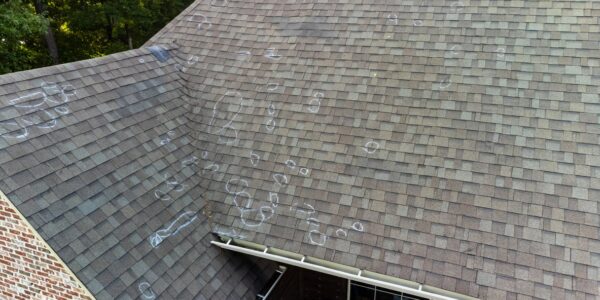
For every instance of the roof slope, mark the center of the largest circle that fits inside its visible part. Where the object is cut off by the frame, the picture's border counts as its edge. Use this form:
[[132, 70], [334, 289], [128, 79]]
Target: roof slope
[[452, 143], [97, 156]]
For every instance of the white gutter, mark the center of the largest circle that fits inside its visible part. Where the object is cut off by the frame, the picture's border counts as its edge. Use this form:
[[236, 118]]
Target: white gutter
[[355, 277]]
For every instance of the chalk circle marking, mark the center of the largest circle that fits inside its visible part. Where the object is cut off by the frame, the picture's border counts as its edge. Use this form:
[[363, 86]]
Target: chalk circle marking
[[371, 147]]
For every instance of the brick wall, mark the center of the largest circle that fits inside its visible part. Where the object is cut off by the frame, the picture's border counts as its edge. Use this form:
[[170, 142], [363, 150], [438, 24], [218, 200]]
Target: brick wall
[[28, 269]]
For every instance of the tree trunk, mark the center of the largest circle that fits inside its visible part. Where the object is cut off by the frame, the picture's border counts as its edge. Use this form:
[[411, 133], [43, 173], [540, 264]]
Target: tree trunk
[[129, 39], [40, 8]]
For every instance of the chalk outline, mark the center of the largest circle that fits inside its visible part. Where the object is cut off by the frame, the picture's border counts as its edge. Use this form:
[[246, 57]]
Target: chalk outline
[[337, 232], [245, 209], [159, 236], [322, 240], [358, 226], [281, 176], [317, 97], [271, 53], [454, 51], [204, 20], [213, 1], [146, 288], [445, 83], [500, 52], [271, 109], [291, 164], [193, 160], [368, 148], [49, 90], [228, 124], [457, 6], [243, 55], [160, 195], [256, 158], [392, 18], [270, 126], [274, 199], [10, 133], [304, 171]]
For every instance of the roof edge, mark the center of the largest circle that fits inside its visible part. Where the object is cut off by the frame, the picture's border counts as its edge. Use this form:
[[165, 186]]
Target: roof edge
[[82, 286], [337, 269]]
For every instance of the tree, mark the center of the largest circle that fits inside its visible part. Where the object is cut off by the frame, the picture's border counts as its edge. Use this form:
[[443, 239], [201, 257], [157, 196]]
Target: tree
[[20, 31], [40, 9], [71, 30]]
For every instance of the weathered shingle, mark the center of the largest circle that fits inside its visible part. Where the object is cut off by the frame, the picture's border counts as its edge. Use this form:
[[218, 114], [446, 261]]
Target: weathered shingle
[[452, 143]]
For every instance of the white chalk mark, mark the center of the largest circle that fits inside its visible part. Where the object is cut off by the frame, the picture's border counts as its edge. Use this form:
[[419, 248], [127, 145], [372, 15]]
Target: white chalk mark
[[53, 91], [341, 232], [160, 195], [219, 3], [304, 171], [455, 50], [47, 124], [50, 95], [175, 185], [392, 18], [201, 19], [189, 161], [171, 133], [274, 199], [280, 179], [320, 240], [265, 212], [271, 109], [17, 133], [272, 54], [371, 146], [314, 105], [182, 221], [235, 181], [212, 167], [141, 60], [30, 101], [180, 68], [204, 154], [63, 110], [319, 95], [445, 83], [146, 290], [457, 6], [313, 221], [358, 226], [500, 52], [306, 212], [271, 86], [418, 22], [254, 158], [165, 141], [238, 200], [243, 55], [270, 126], [290, 164], [228, 126], [192, 60]]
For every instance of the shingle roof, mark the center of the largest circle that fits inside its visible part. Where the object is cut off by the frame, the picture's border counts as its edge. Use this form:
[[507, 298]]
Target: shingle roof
[[452, 143]]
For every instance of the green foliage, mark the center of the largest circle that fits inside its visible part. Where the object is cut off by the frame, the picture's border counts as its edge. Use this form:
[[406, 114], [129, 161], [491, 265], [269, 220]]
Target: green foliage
[[82, 28], [20, 31]]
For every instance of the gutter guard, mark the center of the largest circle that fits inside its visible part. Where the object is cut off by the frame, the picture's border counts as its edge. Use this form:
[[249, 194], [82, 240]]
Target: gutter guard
[[336, 269]]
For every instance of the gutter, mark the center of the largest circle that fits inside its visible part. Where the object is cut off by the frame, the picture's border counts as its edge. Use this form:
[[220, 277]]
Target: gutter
[[335, 269]]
